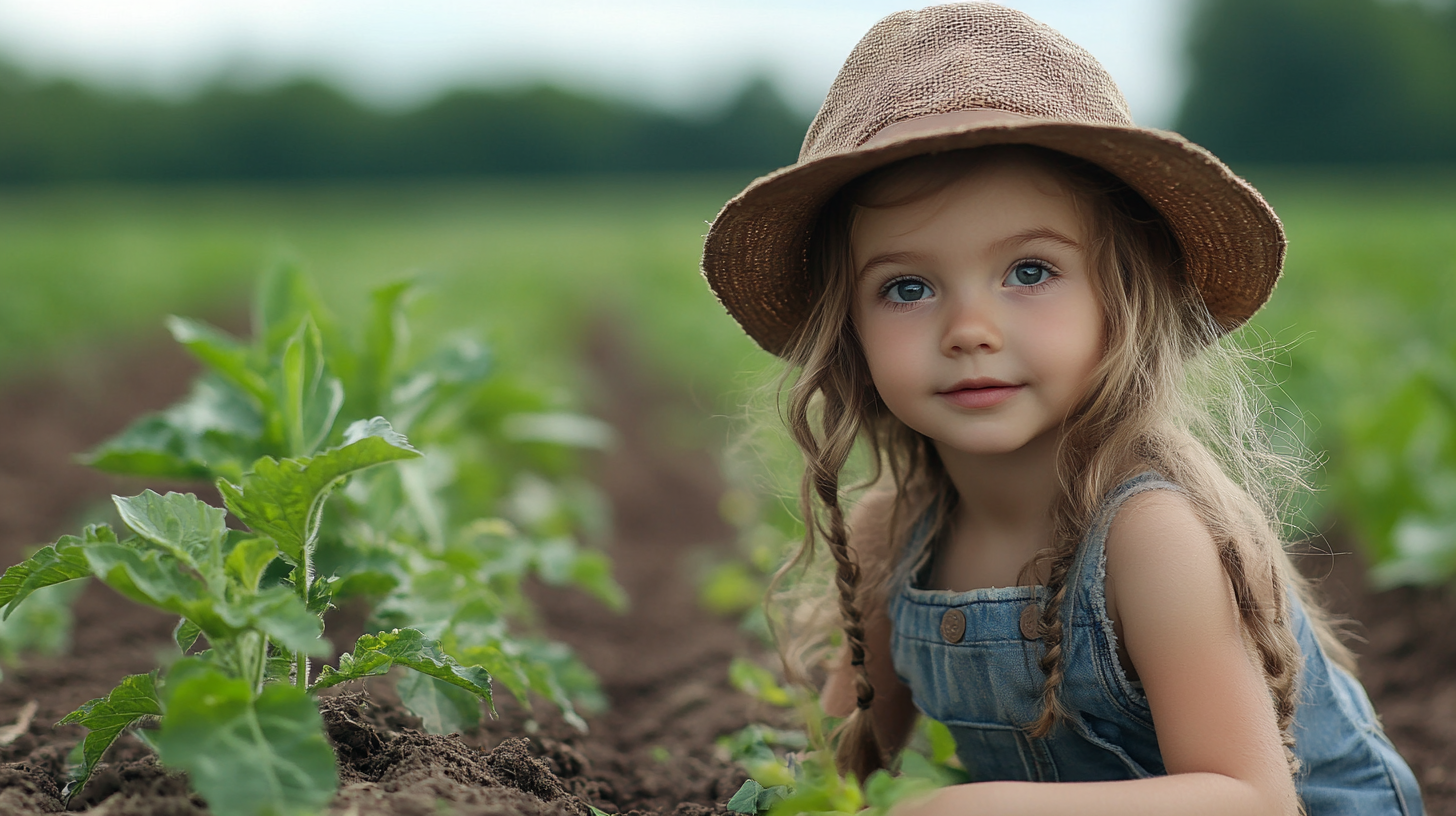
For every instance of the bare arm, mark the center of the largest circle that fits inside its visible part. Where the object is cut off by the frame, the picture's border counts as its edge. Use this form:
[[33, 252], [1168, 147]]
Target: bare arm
[[1215, 720], [894, 711]]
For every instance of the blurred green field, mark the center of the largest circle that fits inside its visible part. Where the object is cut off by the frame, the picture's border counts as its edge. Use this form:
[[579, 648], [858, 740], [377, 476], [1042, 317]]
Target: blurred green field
[[1366, 313], [535, 266]]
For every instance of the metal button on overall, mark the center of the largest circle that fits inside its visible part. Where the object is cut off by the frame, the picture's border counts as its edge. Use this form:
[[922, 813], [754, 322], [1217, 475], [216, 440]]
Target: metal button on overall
[[1029, 619], [952, 626]]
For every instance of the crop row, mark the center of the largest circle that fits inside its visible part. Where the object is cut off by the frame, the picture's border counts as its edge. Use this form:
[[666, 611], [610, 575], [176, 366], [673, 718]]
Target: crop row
[[330, 501]]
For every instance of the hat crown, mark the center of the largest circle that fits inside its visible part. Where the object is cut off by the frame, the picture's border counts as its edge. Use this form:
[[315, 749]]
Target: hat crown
[[959, 57]]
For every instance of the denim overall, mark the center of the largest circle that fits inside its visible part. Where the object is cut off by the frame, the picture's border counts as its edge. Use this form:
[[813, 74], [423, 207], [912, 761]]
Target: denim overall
[[964, 658]]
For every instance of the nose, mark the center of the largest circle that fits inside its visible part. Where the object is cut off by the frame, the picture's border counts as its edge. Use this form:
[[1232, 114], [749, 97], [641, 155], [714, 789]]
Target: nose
[[972, 325]]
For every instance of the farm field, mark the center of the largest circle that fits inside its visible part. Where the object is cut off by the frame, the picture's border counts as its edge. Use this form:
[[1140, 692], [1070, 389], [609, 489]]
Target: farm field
[[590, 287]]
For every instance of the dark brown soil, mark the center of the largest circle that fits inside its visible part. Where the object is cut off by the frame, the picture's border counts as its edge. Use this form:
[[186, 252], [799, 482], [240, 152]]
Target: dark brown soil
[[663, 665]]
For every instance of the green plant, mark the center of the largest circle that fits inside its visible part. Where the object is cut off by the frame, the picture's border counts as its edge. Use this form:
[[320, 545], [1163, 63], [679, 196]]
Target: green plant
[[238, 710], [420, 542], [793, 772]]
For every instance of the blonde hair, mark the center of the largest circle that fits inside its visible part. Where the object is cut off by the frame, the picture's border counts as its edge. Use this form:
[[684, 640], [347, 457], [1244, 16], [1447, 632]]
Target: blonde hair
[[1171, 394]]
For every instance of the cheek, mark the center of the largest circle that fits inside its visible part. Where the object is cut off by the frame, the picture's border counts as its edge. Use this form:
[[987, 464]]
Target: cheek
[[891, 354]]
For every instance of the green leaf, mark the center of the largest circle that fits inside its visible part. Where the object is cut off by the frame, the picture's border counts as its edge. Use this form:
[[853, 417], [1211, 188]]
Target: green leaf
[[374, 654], [147, 576], [106, 717], [942, 743], [731, 588], [441, 707], [42, 625], [245, 756], [758, 682], [283, 500], [63, 561], [283, 299], [185, 634], [248, 559], [746, 799], [155, 578], [311, 396], [561, 561], [543, 667], [187, 527], [216, 430], [385, 334], [222, 353], [281, 615], [151, 446]]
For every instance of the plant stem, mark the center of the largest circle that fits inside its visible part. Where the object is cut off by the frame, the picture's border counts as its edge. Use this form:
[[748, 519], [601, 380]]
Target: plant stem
[[303, 578]]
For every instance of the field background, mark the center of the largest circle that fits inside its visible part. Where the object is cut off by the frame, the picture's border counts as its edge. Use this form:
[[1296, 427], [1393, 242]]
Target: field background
[[1367, 305]]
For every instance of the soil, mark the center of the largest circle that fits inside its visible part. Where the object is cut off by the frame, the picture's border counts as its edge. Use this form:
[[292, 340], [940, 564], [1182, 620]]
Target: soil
[[663, 665]]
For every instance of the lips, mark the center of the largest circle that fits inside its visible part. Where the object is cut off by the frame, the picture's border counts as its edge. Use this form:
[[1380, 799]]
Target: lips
[[981, 392]]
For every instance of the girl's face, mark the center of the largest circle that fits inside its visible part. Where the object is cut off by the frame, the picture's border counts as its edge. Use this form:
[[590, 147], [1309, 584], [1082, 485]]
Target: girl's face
[[976, 307]]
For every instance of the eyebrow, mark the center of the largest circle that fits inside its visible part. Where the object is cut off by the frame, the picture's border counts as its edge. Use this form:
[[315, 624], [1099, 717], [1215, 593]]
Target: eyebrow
[[890, 259], [1036, 234]]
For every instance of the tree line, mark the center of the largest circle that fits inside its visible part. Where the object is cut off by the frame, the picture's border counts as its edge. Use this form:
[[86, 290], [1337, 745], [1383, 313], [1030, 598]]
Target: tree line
[[1273, 81], [63, 131], [1323, 81]]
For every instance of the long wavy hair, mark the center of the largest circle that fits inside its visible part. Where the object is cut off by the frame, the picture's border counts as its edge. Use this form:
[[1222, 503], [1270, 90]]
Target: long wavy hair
[[1171, 393]]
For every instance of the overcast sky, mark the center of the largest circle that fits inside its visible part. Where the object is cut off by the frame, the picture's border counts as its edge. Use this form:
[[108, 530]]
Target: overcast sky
[[683, 54]]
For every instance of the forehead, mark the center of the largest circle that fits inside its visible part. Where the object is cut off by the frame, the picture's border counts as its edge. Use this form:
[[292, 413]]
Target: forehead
[[989, 198]]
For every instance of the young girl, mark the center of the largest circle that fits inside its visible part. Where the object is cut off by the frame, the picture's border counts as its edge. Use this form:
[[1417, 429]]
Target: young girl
[[982, 269]]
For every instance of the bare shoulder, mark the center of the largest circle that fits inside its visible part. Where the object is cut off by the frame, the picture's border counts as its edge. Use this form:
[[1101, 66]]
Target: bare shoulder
[[1161, 556]]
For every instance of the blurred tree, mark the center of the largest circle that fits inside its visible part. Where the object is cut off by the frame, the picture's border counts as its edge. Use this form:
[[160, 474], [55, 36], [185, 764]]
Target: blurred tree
[[1323, 81], [61, 131]]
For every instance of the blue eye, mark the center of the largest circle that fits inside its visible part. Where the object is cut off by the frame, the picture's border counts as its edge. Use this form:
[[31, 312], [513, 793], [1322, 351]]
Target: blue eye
[[906, 290], [1029, 273]]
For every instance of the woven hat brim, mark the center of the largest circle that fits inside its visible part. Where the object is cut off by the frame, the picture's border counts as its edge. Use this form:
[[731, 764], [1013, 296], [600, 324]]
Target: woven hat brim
[[756, 253]]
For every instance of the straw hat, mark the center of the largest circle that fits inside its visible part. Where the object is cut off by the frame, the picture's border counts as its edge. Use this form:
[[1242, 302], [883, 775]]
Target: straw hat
[[969, 75]]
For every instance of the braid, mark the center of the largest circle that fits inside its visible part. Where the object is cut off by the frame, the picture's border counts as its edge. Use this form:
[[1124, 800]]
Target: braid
[[1049, 630]]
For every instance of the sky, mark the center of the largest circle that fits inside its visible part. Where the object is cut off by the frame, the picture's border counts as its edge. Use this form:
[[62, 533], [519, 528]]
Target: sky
[[686, 55]]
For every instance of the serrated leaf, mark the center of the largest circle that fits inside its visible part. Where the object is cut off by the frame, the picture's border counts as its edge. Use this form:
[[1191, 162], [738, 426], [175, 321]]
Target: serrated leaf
[[155, 578], [187, 527], [284, 499], [248, 559], [63, 561], [245, 756], [442, 708], [541, 667], [374, 654], [105, 718], [224, 354]]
